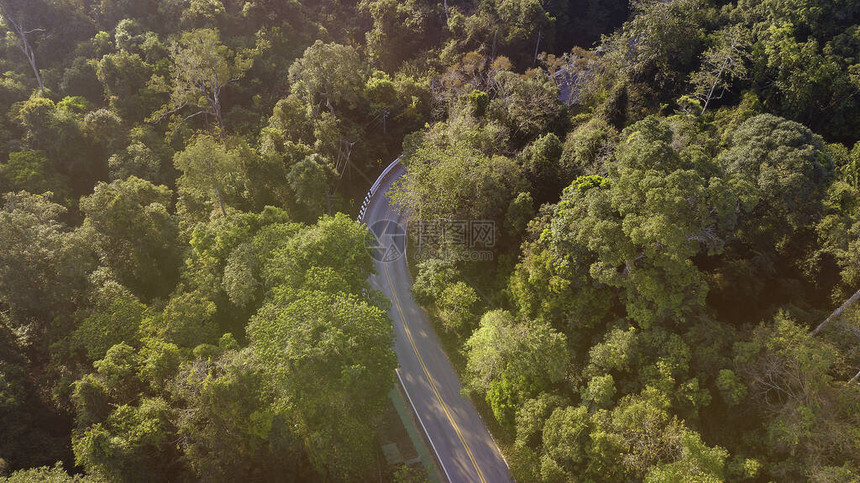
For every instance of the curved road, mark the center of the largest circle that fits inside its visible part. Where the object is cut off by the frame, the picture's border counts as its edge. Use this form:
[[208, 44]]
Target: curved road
[[463, 445]]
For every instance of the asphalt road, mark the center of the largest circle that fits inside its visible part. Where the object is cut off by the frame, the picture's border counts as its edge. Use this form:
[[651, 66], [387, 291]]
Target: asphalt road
[[463, 445]]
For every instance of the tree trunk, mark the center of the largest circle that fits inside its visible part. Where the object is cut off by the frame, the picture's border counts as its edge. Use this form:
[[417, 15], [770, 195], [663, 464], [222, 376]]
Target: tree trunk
[[220, 201], [215, 103], [855, 378], [537, 46], [708, 98], [837, 312], [714, 86], [220, 119], [493, 52], [31, 58]]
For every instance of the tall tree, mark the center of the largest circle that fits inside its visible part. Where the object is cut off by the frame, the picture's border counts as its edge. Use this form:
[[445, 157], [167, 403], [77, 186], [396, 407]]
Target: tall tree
[[808, 418], [789, 168], [209, 170], [135, 233], [722, 63], [43, 264], [332, 355], [329, 74], [202, 68], [15, 17], [512, 361], [230, 427], [645, 223], [457, 182]]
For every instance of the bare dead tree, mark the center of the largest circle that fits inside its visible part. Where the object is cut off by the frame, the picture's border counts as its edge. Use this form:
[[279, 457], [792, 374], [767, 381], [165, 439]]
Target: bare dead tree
[[721, 64], [836, 313], [16, 25]]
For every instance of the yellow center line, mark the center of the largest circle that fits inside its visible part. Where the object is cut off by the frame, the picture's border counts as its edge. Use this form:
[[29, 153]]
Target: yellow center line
[[427, 374]]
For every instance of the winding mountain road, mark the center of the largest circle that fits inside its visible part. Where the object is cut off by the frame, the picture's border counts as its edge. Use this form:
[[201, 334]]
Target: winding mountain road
[[464, 447]]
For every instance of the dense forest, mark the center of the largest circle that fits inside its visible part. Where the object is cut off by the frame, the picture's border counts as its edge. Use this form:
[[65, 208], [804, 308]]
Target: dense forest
[[675, 187]]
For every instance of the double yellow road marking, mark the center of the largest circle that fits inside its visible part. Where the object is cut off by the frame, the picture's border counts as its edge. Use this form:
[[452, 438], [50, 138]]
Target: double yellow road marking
[[427, 374]]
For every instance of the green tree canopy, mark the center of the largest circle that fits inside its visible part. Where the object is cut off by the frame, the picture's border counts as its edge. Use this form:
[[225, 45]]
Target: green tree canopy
[[531, 356], [335, 373], [135, 233], [202, 68]]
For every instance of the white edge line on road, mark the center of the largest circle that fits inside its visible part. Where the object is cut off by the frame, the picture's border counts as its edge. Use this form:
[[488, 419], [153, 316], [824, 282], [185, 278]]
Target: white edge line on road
[[414, 410], [490, 433]]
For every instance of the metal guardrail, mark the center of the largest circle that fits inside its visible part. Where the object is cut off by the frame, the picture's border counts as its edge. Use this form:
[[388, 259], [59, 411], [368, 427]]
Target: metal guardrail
[[363, 211]]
